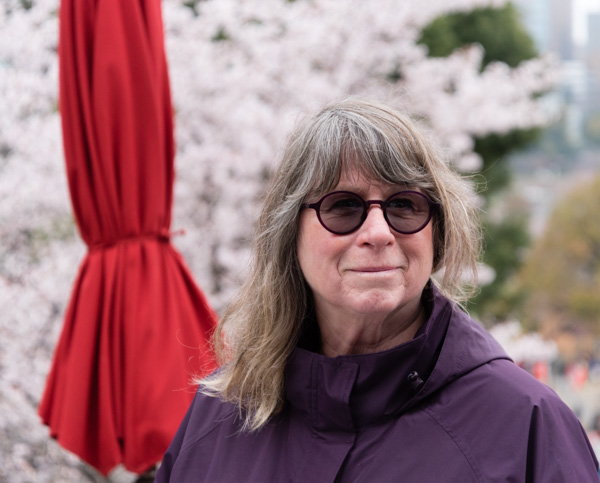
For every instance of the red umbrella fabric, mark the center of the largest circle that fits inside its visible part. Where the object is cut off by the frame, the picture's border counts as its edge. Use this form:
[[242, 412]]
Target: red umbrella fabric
[[136, 327]]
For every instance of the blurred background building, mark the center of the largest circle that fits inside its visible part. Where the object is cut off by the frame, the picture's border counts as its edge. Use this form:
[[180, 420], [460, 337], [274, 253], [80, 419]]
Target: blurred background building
[[570, 30], [569, 151]]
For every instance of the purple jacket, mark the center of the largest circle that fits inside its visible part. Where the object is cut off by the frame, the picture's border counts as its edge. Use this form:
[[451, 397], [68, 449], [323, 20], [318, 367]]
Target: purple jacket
[[448, 406]]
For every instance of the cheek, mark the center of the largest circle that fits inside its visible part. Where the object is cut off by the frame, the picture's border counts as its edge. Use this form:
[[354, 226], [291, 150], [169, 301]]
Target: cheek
[[307, 248], [318, 251], [302, 244], [421, 249]]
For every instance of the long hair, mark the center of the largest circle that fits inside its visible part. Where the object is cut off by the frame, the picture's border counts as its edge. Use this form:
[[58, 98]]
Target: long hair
[[260, 328]]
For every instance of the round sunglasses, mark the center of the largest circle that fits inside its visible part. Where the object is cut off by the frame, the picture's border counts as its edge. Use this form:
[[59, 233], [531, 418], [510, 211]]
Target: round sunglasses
[[342, 212]]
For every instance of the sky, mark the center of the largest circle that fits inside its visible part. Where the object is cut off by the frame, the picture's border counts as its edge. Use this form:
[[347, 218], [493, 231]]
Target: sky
[[580, 10]]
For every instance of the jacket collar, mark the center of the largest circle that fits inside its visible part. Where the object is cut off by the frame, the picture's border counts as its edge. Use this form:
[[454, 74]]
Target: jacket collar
[[349, 392]]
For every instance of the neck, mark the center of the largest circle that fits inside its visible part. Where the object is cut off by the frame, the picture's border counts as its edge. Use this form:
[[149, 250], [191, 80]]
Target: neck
[[364, 334]]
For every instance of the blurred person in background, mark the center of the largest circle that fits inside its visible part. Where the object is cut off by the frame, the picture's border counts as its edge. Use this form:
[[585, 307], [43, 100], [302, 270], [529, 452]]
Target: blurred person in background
[[343, 359]]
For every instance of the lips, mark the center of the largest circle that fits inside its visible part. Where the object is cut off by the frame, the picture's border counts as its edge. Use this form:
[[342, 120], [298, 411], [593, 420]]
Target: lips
[[374, 269]]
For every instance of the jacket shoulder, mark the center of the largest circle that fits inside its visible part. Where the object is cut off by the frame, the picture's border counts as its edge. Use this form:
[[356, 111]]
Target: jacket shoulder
[[205, 415], [498, 413]]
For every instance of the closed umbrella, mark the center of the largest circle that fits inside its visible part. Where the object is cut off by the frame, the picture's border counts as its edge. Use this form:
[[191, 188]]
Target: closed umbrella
[[136, 327]]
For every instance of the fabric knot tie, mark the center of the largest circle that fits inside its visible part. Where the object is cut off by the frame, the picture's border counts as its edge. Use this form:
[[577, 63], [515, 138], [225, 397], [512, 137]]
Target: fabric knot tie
[[163, 236]]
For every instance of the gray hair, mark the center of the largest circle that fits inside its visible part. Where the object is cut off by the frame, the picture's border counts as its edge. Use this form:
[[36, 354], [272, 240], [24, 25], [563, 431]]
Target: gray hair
[[260, 328]]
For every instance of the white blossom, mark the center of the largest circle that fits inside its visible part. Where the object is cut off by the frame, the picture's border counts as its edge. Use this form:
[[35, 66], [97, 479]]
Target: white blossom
[[235, 101]]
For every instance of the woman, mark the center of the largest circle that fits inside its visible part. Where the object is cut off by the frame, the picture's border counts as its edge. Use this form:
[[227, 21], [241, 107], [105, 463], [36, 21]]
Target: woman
[[342, 360]]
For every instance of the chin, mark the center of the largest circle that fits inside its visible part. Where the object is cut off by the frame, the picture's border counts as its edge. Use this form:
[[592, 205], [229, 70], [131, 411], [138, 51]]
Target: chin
[[376, 304]]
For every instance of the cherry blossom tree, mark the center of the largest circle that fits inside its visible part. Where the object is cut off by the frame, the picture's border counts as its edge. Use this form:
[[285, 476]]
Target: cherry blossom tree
[[242, 72]]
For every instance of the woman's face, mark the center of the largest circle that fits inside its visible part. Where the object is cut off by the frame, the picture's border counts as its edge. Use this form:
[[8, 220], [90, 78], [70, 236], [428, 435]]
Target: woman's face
[[373, 271]]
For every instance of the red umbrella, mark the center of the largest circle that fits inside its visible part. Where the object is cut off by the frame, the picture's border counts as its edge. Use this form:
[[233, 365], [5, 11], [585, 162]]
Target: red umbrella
[[136, 327]]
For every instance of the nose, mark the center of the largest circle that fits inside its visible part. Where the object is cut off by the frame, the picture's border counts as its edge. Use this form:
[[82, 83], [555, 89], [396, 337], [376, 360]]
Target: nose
[[375, 230]]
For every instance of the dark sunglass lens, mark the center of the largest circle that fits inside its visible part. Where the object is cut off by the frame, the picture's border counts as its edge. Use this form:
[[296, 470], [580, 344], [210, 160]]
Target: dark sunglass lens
[[341, 212], [407, 212]]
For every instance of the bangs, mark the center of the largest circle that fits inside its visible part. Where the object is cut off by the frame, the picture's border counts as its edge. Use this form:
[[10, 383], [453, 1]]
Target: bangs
[[376, 149]]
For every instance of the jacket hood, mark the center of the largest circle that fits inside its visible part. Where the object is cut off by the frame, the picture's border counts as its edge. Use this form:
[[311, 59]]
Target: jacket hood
[[466, 346], [349, 392]]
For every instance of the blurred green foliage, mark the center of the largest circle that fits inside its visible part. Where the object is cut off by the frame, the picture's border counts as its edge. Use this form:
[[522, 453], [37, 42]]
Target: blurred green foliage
[[498, 30], [505, 245], [220, 35], [504, 39], [561, 277], [494, 150], [193, 5]]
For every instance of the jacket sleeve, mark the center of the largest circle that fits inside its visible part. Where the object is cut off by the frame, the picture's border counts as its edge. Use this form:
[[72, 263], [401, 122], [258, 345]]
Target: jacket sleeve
[[558, 449]]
